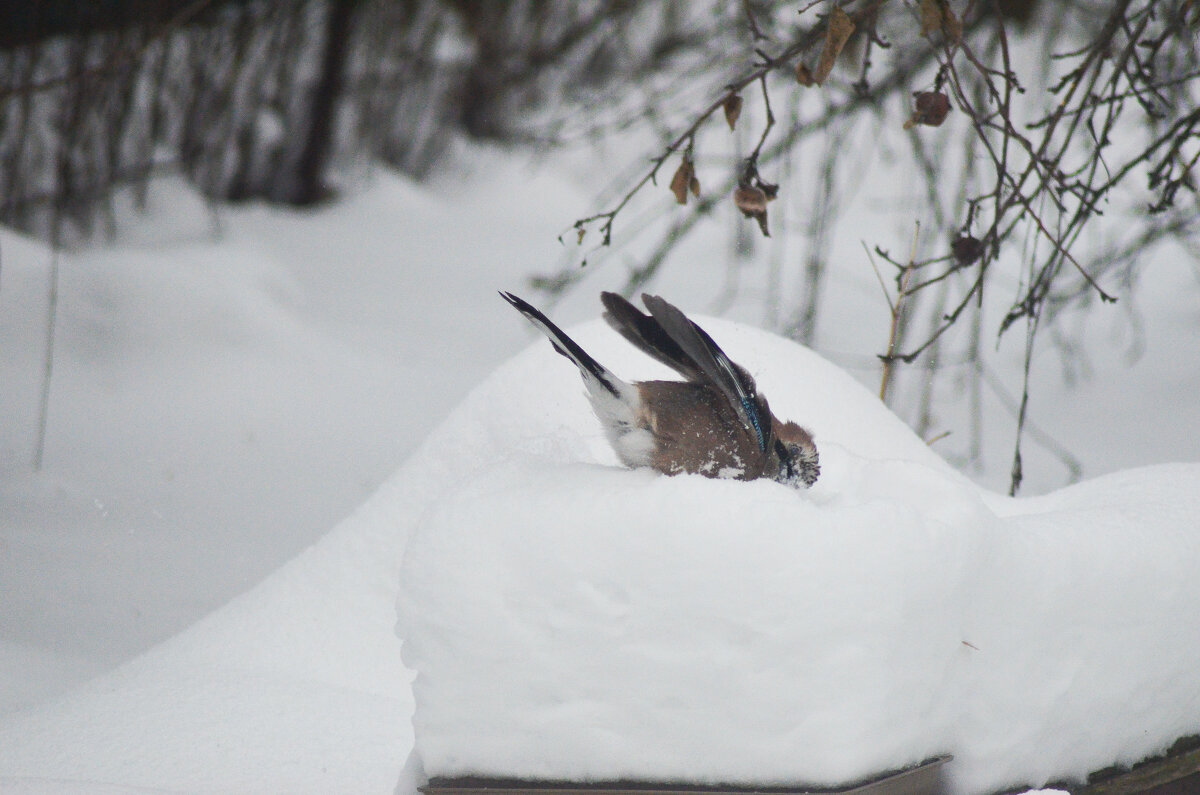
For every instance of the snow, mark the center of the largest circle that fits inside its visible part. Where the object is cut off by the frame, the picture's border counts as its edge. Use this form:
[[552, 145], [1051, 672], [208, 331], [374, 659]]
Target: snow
[[296, 686], [230, 383], [220, 402], [570, 619]]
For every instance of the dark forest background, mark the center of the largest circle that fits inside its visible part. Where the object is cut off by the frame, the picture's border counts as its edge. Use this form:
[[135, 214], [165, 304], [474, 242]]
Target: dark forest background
[[254, 99]]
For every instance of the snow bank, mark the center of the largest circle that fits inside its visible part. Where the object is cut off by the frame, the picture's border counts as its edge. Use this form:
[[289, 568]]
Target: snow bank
[[295, 686], [568, 618]]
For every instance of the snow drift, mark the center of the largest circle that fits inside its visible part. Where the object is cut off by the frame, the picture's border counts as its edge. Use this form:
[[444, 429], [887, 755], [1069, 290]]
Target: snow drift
[[570, 619]]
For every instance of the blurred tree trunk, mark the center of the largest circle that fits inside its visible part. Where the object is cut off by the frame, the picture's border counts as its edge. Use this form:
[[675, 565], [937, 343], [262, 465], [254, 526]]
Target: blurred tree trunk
[[304, 184]]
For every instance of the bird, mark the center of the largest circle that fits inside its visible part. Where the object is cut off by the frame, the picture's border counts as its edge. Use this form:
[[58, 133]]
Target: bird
[[713, 423]]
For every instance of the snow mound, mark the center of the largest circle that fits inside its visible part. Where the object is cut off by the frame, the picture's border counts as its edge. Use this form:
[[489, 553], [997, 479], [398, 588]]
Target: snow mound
[[571, 619], [295, 686]]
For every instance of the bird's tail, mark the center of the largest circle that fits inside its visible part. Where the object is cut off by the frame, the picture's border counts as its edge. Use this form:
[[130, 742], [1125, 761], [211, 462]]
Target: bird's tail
[[594, 374]]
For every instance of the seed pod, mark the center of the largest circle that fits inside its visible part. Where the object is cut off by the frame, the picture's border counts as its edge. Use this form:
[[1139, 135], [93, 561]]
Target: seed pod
[[967, 250], [752, 201], [929, 108]]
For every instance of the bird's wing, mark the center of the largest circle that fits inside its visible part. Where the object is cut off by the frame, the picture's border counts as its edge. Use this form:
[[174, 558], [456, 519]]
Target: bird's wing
[[716, 367], [647, 335]]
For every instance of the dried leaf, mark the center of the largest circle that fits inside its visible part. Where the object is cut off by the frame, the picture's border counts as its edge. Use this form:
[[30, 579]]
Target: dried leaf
[[695, 186], [950, 24], [936, 16], [804, 75], [930, 108], [931, 16], [752, 201], [733, 109], [681, 183], [840, 28]]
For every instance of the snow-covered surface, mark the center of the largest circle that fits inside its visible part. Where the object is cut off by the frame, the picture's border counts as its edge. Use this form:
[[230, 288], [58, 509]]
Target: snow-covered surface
[[294, 687], [225, 393], [570, 619], [221, 401]]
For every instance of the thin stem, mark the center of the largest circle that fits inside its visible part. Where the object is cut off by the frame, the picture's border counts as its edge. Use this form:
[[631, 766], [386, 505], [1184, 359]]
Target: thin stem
[[39, 447]]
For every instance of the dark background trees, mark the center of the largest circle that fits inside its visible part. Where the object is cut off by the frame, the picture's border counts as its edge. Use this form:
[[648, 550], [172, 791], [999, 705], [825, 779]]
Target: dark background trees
[[255, 99]]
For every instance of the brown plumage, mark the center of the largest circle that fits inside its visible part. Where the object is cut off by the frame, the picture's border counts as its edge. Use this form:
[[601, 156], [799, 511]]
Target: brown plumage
[[713, 423]]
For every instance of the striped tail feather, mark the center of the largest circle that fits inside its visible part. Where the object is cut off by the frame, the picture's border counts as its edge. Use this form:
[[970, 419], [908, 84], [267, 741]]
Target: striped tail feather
[[566, 346]]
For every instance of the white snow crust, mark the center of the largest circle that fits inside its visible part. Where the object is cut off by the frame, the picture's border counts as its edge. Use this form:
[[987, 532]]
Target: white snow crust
[[571, 619]]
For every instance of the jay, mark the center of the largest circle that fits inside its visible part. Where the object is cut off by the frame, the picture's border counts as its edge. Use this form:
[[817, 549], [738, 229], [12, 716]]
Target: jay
[[713, 423]]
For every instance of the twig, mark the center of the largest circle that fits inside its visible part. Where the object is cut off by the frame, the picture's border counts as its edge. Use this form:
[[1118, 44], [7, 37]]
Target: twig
[[767, 127], [767, 65], [752, 23], [897, 309], [1045, 181], [935, 439], [879, 276]]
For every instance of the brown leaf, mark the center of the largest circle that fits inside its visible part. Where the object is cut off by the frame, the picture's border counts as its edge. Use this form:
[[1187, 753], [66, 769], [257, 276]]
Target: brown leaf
[[695, 186], [931, 16], [804, 75], [752, 201], [936, 16], [950, 25], [840, 28], [929, 108], [733, 109], [685, 175]]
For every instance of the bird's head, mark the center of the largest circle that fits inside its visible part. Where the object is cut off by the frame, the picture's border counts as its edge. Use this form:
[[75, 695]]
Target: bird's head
[[799, 463]]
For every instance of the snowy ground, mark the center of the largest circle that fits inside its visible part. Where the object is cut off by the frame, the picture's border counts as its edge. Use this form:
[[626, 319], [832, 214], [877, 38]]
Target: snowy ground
[[227, 388], [220, 402], [571, 619]]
